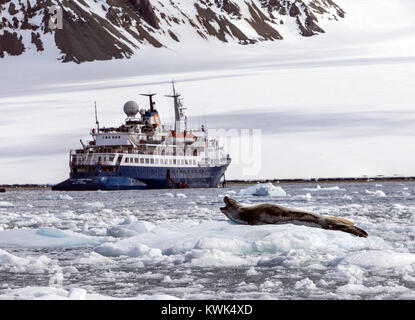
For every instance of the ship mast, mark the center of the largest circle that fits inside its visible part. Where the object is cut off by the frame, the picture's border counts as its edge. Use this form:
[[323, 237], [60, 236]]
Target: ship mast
[[96, 117], [177, 109]]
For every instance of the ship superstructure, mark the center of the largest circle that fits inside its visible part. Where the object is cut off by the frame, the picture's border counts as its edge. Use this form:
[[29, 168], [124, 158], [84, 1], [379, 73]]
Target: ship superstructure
[[143, 153]]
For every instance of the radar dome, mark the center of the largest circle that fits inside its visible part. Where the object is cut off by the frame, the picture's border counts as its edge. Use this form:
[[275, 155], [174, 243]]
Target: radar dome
[[131, 108]]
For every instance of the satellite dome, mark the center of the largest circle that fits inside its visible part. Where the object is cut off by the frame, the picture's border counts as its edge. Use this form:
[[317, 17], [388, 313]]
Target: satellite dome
[[131, 108]]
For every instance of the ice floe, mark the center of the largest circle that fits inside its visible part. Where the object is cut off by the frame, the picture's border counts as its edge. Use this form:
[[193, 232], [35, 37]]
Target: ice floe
[[58, 197], [13, 263], [130, 227], [46, 238], [377, 193], [306, 197], [175, 195], [223, 243], [305, 284], [5, 204], [263, 190], [319, 188], [56, 293], [95, 204], [379, 259]]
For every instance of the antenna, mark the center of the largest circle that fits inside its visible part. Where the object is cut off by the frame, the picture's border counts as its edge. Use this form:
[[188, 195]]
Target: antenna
[[204, 117], [150, 96], [96, 117]]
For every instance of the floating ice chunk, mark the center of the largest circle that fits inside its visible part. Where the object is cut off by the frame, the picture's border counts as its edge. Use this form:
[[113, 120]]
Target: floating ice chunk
[[377, 193], [5, 204], [219, 243], [93, 258], [151, 275], [77, 294], [252, 272], [58, 197], [270, 285], [305, 284], [52, 232], [307, 196], [263, 190], [379, 290], [46, 238], [27, 265], [408, 278], [319, 188], [231, 245], [379, 259], [177, 195], [69, 269], [130, 228], [137, 250], [398, 207], [52, 293], [96, 204], [215, 258]]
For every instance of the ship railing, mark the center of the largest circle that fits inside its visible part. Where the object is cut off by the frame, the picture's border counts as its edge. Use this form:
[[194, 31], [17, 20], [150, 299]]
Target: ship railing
[[214, 161]]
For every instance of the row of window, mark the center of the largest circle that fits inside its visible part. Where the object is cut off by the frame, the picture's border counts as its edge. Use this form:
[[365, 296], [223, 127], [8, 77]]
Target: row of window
[[161, 161], [111, 137], [146, 161]]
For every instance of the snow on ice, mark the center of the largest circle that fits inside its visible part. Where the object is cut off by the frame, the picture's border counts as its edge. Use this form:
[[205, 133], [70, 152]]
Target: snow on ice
[[263, 190]]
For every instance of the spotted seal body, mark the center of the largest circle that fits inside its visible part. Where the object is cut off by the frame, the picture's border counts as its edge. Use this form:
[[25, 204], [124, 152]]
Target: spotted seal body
[[267, 213]]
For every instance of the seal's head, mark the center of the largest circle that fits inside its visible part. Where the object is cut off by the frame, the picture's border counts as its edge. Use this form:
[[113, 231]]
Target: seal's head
[[231, 209]]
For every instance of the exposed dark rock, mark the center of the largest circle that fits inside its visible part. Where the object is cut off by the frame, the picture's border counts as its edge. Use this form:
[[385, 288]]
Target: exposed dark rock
[[229, 7], [12, 9], [294, 11], [119, 27], [259, 23], [37, 41], [11, 43], [81, 41], [146, 11], [207, 16], [173, 36]]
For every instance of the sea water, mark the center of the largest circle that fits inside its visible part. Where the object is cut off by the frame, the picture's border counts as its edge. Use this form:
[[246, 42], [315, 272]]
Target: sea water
[[176, 244]]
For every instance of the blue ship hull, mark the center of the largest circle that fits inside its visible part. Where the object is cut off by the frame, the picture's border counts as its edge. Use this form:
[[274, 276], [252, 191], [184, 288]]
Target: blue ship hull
[[136, 177]]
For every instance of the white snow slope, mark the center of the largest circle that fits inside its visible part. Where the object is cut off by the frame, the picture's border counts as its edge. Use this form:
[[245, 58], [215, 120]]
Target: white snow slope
[[337, 104]]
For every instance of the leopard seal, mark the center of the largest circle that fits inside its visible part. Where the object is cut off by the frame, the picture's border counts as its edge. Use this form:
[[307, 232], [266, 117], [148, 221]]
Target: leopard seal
[[267, 213]]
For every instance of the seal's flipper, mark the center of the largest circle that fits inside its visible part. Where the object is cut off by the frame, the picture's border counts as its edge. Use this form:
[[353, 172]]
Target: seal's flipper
[[340, 226], [350, 223]]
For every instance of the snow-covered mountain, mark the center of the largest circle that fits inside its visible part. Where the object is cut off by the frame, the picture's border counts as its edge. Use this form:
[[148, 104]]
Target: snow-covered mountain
[[107, 29]]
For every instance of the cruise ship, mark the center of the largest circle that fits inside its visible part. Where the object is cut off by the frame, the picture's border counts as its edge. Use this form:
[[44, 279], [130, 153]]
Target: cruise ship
[[143, 153]]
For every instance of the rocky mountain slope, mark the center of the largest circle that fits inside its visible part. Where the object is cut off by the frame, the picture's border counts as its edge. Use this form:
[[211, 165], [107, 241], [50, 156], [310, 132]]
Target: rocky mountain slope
[[107, 29]]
